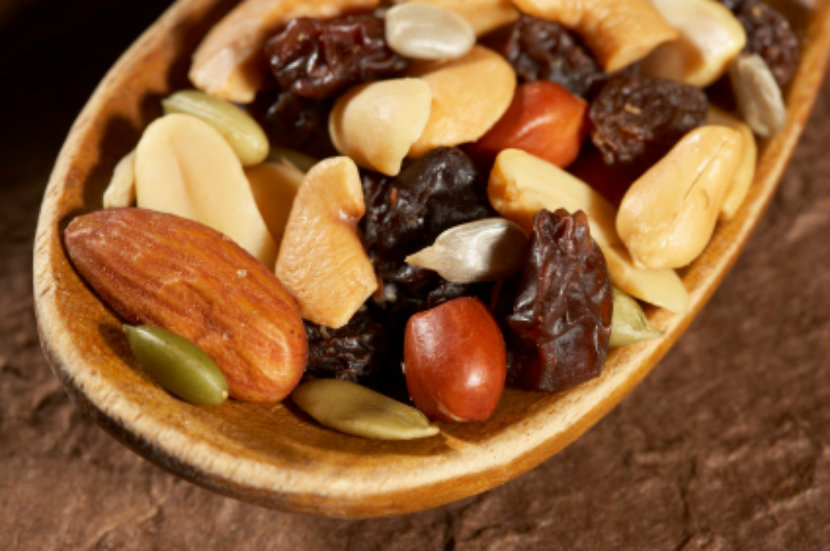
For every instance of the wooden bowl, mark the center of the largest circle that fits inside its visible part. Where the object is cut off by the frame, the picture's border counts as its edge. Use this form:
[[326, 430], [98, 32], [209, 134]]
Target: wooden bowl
[[274, 455]]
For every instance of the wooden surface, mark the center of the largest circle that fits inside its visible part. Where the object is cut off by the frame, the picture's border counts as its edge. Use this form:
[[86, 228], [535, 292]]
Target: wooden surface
[[724, 444]]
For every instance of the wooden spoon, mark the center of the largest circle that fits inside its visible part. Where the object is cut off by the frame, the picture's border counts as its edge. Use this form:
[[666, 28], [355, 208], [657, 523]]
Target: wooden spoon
[[275, 455]]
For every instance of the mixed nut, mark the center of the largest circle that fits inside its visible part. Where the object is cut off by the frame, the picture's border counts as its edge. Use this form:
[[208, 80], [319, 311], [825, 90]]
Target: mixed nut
[[365, 196]]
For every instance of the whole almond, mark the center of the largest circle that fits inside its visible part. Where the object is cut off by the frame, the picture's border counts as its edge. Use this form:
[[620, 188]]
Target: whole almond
[[160, 269]]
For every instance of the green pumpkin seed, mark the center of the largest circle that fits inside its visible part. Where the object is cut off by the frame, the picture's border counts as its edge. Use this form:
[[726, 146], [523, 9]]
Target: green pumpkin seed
[[241, 131], [357, 410], [628, 322], [178, 365], [483, 250]]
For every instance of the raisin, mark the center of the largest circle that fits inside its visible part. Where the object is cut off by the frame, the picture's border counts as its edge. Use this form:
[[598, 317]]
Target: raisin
[[294, 122], [636, 120], [317, 58], [557, 313], [352, 352], [768, 34], [430, 194], [544, 50]]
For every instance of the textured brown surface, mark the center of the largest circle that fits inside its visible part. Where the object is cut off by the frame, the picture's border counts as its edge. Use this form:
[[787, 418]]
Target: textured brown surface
[[725, 445]]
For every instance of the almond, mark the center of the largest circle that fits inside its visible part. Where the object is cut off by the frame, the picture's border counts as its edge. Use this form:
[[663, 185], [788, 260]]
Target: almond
[[160, 269]]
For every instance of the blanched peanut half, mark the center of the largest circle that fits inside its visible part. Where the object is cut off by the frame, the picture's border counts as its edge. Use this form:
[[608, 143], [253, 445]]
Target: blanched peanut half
[[183, 166], [469, 95], [667, 216], [710, 37], [421, 31], [618, 32], [483, 15], [375, 124], [274, 185], [243, 133], [228, 62], [521, 184], [745, 173], [120, 191], [321, 261]]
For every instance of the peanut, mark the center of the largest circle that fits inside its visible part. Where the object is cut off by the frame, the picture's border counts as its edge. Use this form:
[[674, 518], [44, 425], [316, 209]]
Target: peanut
[[745, 172], [667, 216]]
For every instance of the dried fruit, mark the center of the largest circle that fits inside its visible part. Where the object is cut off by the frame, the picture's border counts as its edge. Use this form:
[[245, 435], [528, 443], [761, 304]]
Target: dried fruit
[[636, 120], [229, 61], [316, 58], [321, 259], [667, 216], [628, 322], [160, 269], [422, 31], [543, 50], [521, 185], [558, 311], [544, 119], [488, 249], [178, 365], [357, 410], [243, 133], [758, 95], [619, 33], [710, 37], [375, 124], [183, 166], [770, 36], [454, 361], [120, 191], [469, 95]]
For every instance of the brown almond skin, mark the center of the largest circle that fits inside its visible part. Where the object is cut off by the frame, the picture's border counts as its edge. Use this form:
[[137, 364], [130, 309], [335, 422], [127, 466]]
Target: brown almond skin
[[160, 269]]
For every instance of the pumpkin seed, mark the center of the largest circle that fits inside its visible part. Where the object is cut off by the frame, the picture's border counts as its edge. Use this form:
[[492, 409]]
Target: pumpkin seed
[[178, 365], [120, 191], [758, 95], [354, 409], [483, 250], [421, 31], [628, 322], [242, 132]]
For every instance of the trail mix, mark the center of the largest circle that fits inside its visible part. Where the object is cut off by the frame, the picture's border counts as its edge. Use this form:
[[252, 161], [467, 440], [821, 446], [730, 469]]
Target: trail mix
[[389, 211]]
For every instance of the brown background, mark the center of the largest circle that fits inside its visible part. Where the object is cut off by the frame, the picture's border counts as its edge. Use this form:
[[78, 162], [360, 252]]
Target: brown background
[[726, 445]]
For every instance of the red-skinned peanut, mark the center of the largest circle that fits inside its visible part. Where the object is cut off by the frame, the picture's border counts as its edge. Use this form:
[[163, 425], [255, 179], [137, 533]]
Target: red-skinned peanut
[[455, 361], [544, 119]]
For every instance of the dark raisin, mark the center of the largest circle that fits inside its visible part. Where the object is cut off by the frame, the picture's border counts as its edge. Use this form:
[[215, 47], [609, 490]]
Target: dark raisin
[[557, 313], [768, 34], [636, 120], [544, 50], [352, 352], [316, 58], [294, 122], [432, 193]]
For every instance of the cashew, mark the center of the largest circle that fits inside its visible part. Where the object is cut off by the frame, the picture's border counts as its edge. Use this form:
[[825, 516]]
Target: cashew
[[522, 184], [745, 172], [228, 62], [375, 124], [469, 95], [483, 15], [618, 32], [667, 216], [710, 37]]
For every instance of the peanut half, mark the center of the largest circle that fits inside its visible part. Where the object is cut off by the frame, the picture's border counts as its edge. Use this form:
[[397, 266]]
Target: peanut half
[[667, 216], [745, 173], [274, 185], [375, 124], [469, 95], [619, 32], [228, 62], [522, 184], [321, 260], [710, 37], [185, 167]]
